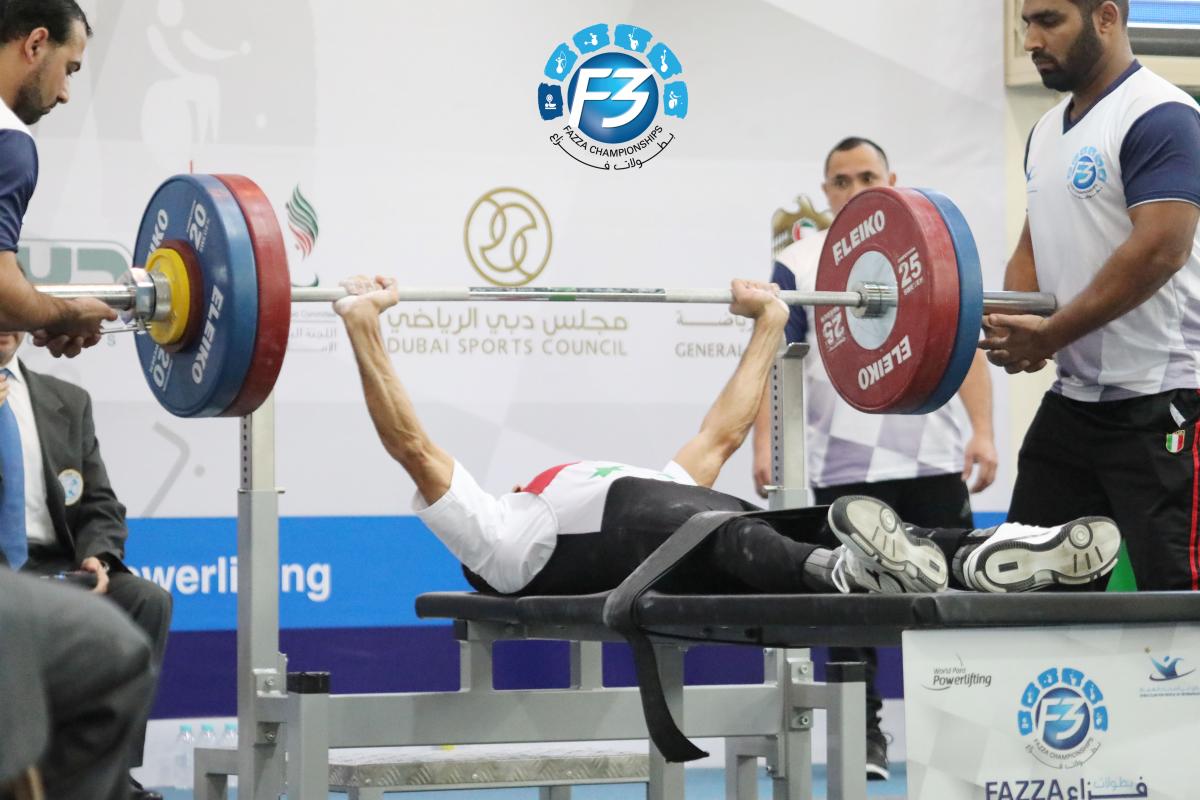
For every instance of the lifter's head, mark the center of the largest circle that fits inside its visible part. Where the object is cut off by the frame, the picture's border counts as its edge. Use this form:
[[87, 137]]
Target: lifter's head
[[853, 165], [1073, 41], [41, 46]]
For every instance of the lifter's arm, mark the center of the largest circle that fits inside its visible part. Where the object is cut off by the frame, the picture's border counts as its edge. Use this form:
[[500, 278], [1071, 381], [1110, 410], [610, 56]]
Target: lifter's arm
[[391, 409], [734, 411]]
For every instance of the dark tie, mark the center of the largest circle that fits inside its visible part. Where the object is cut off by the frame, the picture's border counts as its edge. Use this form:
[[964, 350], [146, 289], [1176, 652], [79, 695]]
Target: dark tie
[[13, 543]]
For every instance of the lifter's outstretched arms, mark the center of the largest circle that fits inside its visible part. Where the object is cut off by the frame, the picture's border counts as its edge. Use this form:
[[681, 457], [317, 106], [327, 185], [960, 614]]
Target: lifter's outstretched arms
[[732, 414], [395, 418]]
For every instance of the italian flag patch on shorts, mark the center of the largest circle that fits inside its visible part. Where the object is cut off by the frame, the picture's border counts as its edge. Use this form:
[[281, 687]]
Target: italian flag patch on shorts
[[1175, 441]]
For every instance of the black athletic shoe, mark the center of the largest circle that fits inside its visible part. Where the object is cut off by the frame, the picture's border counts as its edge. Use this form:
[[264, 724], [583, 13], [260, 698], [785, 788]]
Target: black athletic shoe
[[879, 554], [877, 760], [1021, 558], [139, 792]]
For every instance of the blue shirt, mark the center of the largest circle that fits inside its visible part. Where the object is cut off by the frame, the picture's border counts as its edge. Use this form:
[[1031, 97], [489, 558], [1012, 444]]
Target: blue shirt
[[18, 177]]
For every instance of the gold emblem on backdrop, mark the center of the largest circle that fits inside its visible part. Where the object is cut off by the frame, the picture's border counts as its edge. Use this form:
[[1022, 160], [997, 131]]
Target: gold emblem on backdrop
[[791, 226], [507, 237]]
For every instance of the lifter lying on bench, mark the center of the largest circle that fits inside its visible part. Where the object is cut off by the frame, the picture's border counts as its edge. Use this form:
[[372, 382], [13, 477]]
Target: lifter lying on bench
[[583, 527]]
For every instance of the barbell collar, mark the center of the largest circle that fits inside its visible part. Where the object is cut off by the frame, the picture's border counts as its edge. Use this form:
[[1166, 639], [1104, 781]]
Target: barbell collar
[[877, 299]]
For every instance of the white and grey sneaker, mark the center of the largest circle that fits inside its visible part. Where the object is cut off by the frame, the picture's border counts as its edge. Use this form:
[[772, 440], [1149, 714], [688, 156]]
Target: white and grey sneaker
[[879, 554], [1022, 558]]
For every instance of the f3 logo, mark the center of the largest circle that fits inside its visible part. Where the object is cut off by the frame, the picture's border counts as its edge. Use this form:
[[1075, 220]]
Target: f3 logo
[[613, 98], [634, 77]]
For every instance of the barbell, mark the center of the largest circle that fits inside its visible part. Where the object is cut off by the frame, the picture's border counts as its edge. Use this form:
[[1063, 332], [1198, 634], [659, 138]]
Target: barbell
[[897, 305]]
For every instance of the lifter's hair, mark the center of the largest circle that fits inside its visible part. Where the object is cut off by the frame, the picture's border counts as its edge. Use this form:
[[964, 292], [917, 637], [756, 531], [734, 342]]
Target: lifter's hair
[[851, 142], [19, 18], [1088, 7]]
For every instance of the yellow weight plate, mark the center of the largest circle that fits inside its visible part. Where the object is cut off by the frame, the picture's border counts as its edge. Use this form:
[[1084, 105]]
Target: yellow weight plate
[[169, 263]]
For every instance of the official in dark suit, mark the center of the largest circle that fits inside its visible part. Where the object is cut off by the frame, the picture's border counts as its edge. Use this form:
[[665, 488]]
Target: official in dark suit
[[73, 520]]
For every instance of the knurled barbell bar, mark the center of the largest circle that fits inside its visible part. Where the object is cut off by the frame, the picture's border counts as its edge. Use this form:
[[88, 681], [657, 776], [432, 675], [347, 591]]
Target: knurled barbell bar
[[897, 305], [868, 300]]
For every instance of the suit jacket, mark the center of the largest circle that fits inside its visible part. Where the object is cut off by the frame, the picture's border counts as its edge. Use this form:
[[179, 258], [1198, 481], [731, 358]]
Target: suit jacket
[[95, 524]]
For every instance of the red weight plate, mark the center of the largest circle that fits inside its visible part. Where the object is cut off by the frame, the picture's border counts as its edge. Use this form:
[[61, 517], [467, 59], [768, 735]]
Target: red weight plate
[[891, 364], [196, 291], [274, 295]]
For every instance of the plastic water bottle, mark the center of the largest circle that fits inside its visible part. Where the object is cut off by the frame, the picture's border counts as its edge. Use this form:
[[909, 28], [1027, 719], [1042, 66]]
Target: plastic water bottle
[[208, 735], [229, 736], [185, 742]]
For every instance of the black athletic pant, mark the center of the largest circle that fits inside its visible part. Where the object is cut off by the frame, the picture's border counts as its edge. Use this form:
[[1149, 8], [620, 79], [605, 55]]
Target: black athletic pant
[[938, 501], [1133, 460], [746, 554]]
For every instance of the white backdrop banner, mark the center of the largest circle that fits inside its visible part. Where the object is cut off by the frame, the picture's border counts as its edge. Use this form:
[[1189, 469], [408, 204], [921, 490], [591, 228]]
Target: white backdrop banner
[[416, 140]]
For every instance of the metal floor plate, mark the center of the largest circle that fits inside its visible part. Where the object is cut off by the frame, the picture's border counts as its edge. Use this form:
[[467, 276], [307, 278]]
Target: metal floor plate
[[479, 765]]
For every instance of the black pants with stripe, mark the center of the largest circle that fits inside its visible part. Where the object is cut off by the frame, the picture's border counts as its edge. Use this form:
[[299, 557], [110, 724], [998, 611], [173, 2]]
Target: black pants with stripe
[[1133, 460]]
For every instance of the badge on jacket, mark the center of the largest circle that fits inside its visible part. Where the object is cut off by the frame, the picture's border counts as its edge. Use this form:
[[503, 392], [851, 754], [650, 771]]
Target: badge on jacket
[[72, 485]]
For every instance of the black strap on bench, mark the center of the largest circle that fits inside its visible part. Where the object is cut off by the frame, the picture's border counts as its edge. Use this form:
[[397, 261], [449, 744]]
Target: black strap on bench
[[620, 614]]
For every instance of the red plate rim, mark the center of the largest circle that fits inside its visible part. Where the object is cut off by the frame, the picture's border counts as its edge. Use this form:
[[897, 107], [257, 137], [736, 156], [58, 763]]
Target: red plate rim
[[274, 295]]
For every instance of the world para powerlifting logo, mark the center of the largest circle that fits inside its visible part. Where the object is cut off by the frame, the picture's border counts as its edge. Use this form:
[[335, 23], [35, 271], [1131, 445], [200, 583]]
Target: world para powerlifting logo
[[1063, 716], [610, 95]]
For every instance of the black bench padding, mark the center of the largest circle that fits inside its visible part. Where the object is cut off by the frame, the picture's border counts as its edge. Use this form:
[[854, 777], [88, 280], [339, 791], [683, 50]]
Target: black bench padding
[[820, 619]]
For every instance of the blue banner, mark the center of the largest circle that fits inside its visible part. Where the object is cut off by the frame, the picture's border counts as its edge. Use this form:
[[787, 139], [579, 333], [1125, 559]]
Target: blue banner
[[334, 572]]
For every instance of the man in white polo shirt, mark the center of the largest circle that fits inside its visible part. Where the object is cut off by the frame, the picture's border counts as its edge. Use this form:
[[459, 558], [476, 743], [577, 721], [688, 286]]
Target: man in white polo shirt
[[1113, 194]]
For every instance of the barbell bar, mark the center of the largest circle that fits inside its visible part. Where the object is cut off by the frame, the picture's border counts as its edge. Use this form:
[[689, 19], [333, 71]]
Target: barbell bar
[[896, 309], [121, 297]]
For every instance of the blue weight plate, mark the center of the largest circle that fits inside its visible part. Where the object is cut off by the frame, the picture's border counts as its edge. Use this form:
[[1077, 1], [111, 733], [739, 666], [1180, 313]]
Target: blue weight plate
[[970, 305], [204, 377]]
